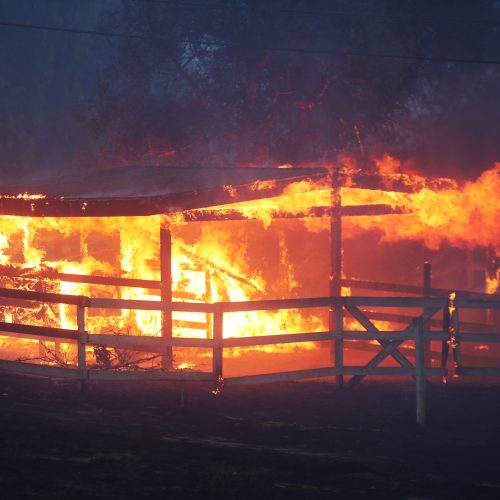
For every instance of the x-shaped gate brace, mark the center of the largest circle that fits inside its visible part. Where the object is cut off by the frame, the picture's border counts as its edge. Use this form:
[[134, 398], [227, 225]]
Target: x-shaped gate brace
[[389, 347]]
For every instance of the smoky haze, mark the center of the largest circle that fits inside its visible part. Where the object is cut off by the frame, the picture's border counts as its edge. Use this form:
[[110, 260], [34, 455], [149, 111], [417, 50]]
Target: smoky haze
[[251, 84]]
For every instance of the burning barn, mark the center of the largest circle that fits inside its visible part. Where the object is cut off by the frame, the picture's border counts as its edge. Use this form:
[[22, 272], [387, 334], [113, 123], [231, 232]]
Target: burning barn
[[164, 272]]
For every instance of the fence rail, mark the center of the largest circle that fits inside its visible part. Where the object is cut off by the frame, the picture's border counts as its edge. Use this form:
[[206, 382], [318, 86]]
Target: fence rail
[[389, 341]]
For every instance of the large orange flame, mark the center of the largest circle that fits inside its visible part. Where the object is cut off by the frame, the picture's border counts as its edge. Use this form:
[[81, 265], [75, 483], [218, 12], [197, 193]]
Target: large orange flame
[[212, 261]]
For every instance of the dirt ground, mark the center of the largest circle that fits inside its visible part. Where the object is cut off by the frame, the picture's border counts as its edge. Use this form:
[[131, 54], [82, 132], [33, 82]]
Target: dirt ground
[[288, 440]]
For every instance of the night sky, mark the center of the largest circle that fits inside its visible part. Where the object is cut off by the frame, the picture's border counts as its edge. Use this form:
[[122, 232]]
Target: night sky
[[249, 83]]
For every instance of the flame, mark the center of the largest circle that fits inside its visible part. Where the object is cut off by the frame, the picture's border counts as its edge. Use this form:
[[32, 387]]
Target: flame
[[24, 196], [214, 261], [463, 216]]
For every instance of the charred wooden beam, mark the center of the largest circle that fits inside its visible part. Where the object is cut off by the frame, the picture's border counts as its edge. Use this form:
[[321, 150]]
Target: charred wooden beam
[[43, 296], [149, 205], [39, 331], [208, 215]]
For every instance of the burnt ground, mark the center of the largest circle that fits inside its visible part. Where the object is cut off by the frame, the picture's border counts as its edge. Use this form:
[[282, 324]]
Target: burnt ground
[[287, 440]]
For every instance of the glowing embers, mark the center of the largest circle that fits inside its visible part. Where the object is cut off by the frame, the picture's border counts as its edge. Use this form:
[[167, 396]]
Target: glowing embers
[[24, 196]]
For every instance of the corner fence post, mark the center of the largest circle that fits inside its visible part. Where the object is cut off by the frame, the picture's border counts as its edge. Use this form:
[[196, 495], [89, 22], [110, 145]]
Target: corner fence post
[[420, 371], [335, 313], [82, 343], [217, 353]]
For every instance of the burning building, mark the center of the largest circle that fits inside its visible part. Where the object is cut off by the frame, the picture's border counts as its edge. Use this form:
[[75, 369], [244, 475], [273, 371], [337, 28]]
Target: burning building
[[122, 272]]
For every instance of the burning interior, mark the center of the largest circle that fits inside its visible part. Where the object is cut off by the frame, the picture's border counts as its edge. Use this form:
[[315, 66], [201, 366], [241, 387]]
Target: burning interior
[[139, 236]]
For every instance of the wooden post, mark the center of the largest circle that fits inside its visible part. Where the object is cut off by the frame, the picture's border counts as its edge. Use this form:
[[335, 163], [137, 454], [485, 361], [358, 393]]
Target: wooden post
[[420, 371], [457, 354], [335, 314], [217, 357], [208, 299], [82, 342], [427, 293], [166, 293]]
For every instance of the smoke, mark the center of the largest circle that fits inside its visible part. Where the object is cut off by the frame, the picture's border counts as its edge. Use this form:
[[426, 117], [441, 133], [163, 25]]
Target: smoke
[[205, 86]]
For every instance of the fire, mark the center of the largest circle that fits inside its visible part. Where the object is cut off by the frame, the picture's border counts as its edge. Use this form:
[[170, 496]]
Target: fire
[[25, 196], [215, 261], [464, 216]]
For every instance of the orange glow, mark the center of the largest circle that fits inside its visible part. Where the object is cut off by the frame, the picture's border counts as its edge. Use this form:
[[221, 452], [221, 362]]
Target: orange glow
[[465, 216], [213, 264], [24, 196]]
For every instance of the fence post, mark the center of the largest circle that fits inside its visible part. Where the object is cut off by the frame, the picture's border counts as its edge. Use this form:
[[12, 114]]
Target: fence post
[[166, 293], [420, 371], [82, 342], [335, 313], [427, 293], [217, 355], [208, 299], [339, 343]]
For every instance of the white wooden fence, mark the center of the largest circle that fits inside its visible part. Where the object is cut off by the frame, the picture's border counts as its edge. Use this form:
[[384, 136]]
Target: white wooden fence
[[390, 341]]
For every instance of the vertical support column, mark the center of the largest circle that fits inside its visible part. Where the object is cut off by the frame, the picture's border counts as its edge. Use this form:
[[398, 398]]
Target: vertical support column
[[420, 371], [427, 293], [217, 355], [166, 293], [208, 300], [82, 342], [335, 314]]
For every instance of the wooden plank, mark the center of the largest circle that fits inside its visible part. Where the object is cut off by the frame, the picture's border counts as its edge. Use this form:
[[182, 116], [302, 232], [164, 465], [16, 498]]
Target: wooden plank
[[40, 370], [479, 337], [24, 304], [477, 304], [274, 305], [147, 344], [410, 302], [388, 371], [284, 338], [39, 331], [331, 371], [373, 209], [207, 215], [154, 305], [435, 335], [384, 336], [420, 372], [43, 296], [283, 376], [191, 325], [268, 305], [195, 307], [148, 375], [416, 290], [438, 323], [105, 280], [480, 371], [140, 305], [25, 336]]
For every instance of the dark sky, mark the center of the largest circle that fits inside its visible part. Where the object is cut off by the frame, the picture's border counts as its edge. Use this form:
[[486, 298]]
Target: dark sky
[[260, 84]]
